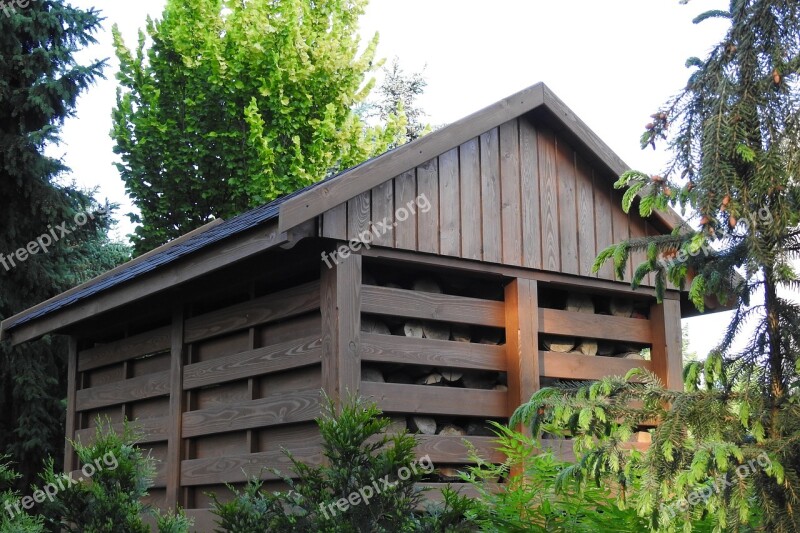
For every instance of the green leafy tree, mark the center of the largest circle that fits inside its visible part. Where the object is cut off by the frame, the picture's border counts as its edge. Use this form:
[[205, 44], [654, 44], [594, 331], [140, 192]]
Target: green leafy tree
[[398, 92], [729, 444], [12, 521], [40, 81], [234, 104]]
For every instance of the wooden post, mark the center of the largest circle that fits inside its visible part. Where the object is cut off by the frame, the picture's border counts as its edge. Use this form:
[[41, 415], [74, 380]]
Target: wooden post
[[522, 341], [341, 327], [70, 461], [176, 408], [666, 356]]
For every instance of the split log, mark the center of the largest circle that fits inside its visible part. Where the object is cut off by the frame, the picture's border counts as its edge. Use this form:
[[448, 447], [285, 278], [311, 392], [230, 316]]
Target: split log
[[396, 426], [643, 436], [427, 285], [588, 347], [605, 348], [500, 387], [558, 344], [371, 325], [431, 379], [479, 380], [460, 333], [480, 429], [422, 424], [436, 330], [491, 337], [633, 355], [372, 375], [413, 328], [451, 430], [451, 375], [580, 303], [621, 307], [448, 474]]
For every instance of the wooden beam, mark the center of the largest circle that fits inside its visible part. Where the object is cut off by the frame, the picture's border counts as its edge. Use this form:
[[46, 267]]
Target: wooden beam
[[557, 322], [579, 366], [176, 408], [666, 354], [522, 341], [341, 328], [149, 342], [429, 352], [70, 461], [119, 392], [423, 399]]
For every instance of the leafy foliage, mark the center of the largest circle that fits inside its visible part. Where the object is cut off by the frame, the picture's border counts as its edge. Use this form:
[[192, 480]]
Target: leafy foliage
[[10, 520], [234, 104]]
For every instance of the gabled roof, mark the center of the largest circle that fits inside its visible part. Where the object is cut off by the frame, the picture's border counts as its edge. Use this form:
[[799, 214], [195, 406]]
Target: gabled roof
[[312, 201]]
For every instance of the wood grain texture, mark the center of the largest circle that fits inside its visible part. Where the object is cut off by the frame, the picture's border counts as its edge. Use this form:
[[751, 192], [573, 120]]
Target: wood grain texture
[[383, 211], [620, 221], [148, 430], [429, 352], [471, 233], [242, 467], [567, 207], [529, 185], [428, 194], [548, 187], [556, 322], [666, 354], [603, 229], [444, 307], [491, 217], [258, 362], [284, 304], [71, 422], [452, 450], [405, 192], [285, 408], [511, 201], [587, 248], [149, 342], [358, 215], [522, 341], [579, 366], [334, 222], [398, 398], [128, 390], [449, 204], [176, 408]]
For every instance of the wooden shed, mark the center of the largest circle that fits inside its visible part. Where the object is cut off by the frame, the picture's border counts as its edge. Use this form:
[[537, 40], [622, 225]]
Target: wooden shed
[[446, 279]]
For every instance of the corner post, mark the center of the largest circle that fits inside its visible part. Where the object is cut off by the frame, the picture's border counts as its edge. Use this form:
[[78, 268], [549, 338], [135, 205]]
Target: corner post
[[70, 461], [176, 408], [522, 341], [666, 355]]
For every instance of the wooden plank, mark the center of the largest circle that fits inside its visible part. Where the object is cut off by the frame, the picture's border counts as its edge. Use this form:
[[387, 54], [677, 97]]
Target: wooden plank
[[529, 184], [358, 215], [149, 430], [471, 233], [405, 192], [428, 221], [128, 390], [445, 307], [579, 366], [242, 467], [620, 221], [490, 197], [548, 186], [449, 204], [604, 231], [203, 520], [511, 205], [149, 342], [176, 408], [284, 408], [567, 207], [71, 423], [400, 398], [522, 341], [450, 450], [434, 492], [265, 360], [638, 231], [341, 328], [334, 222], [587, 248], [666, 353], [406, 350], [557, 322], [272, 307], [383, 211]]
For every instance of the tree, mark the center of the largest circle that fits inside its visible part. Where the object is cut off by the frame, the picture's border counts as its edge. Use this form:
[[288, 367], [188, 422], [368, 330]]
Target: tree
[[237, 103], [40, 81], [733, 436], [398, 92]]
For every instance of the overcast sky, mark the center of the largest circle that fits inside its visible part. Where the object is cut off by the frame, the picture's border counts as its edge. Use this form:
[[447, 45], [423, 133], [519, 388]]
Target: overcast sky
[[614, 63]]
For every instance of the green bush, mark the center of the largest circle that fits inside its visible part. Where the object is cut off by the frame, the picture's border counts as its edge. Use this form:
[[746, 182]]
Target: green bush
[[13, 519]]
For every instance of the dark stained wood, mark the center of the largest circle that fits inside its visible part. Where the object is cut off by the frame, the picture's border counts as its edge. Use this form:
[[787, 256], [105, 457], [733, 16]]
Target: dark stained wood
[[490, 197], [428, 221], [548, 187], [148, 429], [300, 406], [149, 342], [71, 423], [579, 366], [452, 450], [240, 468], [556, 322], [637, 229], [567, 207], [449, 204], [666, 353], [407, 350], [383, 211], [334, 222], [269, 308], [203, 520], [268, 359], [399, 398], [511, 205], [529, 185], [471, 233], [414, 304], [176, 408], [604, 232], [522, 341], [620, 221], [128, 390], [405, 192], [587, 248], [358, 215]]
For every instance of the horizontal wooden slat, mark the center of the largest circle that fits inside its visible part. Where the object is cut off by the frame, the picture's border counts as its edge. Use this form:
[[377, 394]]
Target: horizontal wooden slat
[[159, 480], [395, 349], [149, 430], [401, 398], [127, 390], [240, 468], [563, 448], [301, 406], [556, 322], [445, 307], [578, 366], [465, 489], [203, 520], [153, 341], [269, 308], [266, 360], [453, 450]]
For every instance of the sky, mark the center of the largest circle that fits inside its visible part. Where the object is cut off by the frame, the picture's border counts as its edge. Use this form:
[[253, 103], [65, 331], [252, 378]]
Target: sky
[[612, 62]]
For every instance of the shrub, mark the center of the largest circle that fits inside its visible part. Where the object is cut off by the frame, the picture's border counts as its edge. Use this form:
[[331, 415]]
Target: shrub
[[12, 521]]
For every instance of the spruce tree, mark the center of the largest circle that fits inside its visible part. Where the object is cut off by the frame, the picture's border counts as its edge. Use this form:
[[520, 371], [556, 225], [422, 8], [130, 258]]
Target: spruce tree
[[40, 81], [729, 445]]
